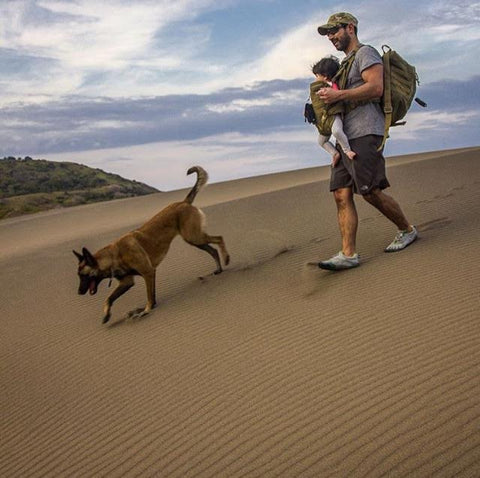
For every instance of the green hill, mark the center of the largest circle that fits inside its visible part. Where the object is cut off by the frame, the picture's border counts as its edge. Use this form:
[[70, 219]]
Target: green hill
[[31, 185]]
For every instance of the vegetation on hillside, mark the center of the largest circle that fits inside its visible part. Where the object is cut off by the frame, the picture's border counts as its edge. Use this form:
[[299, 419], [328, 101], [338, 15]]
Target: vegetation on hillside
[[30, 185]]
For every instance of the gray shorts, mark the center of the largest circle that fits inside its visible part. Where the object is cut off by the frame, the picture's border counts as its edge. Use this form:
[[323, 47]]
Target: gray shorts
[[365, 172]]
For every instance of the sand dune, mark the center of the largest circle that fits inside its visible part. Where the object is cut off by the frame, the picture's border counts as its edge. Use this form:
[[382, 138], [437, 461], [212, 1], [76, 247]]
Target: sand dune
[[274, 368]]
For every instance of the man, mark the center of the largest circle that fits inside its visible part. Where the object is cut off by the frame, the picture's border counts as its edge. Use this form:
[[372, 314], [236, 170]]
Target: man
[[364, 127]]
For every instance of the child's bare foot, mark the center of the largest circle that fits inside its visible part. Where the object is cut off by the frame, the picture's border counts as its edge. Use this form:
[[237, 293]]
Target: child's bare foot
[[351, 154], [335, 159]]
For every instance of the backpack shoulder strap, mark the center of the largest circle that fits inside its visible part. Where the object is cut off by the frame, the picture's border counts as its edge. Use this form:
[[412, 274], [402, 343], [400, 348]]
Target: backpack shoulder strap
[[341, 78], [342, 74], [387, 93]]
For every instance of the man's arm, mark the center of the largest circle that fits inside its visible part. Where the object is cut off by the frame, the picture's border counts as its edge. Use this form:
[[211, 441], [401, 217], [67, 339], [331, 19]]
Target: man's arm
[[370, 90]]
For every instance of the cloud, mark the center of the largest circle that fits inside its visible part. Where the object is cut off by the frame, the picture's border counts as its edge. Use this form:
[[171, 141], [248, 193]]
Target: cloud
[[438, 48], [100, 35], [458, 12], [423, 123], [119, 48], [85, 123], [225, 156], [291, 56], [452, 94], [116, 41], [82, 123]]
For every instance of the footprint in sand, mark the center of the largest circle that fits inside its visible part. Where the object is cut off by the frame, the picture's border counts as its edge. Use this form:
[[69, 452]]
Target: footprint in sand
[[259, 247], [435, 224], [318, 240], [439, 196]]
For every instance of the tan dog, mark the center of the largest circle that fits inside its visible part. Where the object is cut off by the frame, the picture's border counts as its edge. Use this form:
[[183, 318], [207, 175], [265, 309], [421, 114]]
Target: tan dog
[[140, 251]]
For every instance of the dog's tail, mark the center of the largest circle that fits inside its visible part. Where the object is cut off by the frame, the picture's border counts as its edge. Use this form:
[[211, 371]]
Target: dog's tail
[[202, 178]]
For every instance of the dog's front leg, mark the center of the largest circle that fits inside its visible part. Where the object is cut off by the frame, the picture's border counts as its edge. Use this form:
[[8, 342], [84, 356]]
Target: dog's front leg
[[150, 284], [151, 301], [125, 284]]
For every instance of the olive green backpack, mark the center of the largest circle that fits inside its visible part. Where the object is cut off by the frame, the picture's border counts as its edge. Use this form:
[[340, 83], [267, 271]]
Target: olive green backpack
[[400, 82]]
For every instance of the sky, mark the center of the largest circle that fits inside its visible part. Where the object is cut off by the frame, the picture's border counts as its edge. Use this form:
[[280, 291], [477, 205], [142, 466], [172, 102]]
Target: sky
[[148, 88]]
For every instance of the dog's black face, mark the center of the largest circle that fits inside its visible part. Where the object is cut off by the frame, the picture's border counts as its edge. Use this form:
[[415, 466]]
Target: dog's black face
[[88, 273], [87, 283]]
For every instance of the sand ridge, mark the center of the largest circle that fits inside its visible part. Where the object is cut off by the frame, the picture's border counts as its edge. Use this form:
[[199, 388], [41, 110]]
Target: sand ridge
[[274, 368]]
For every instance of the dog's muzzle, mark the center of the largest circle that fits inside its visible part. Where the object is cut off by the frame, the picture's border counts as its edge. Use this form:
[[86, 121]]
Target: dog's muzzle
[[88, 284], [93, 287]]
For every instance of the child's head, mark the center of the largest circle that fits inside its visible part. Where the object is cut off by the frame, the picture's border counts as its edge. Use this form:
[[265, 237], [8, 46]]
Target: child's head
[[327, 68]]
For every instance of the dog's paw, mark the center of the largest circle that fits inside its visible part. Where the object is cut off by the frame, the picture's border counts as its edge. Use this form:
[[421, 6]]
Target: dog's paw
[[106, 318]]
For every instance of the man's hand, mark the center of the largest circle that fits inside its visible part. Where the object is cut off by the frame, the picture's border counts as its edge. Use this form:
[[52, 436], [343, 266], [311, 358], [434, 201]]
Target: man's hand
[[329, 95], [371, 89]]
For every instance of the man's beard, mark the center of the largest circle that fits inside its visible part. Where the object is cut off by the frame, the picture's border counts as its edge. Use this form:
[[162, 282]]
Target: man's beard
[[342, 43]]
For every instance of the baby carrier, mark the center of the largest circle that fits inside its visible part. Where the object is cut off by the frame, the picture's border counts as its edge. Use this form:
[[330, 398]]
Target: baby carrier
[[319, 113]]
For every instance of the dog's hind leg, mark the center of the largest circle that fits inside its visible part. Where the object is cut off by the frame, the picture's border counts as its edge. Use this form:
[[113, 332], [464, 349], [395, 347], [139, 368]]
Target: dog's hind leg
[[221, 243], [192, 229], [213, 252], [203, 242], [125, 284]]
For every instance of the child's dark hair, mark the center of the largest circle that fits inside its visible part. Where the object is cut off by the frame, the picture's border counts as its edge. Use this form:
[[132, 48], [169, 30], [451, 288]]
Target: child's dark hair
[[327, 66]]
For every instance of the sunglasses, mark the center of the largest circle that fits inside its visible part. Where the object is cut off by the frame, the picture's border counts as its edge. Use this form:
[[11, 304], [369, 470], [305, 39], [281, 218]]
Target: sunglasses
[[333, 30]]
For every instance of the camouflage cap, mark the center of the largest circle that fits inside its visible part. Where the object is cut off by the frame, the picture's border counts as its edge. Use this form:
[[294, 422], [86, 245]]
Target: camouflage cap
[[341, 18]]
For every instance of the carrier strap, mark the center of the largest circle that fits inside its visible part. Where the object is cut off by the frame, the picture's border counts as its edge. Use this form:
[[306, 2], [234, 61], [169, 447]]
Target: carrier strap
[[387, 96]]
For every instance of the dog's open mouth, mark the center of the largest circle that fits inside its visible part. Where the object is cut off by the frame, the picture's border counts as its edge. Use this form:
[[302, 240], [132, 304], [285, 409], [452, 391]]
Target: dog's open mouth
[[92, 288]]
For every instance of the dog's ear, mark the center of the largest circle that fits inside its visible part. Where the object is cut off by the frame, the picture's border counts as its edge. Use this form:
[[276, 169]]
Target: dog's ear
[[78, 256], [89, 259]]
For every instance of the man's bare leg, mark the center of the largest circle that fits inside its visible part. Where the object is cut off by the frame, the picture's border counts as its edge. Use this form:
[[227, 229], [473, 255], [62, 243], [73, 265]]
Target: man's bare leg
[[347, 219], [389, 208], [392, 211], [348, 224]]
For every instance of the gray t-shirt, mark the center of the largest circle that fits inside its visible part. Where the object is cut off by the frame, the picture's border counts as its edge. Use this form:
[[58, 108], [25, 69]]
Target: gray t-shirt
[[369, 118]]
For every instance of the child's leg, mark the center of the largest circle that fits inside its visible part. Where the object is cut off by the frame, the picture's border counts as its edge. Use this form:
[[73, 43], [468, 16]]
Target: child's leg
[[329, 148], [326, 145], [337, 131]]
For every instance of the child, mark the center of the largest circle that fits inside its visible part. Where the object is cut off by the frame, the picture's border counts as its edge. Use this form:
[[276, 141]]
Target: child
[[324, 71]]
